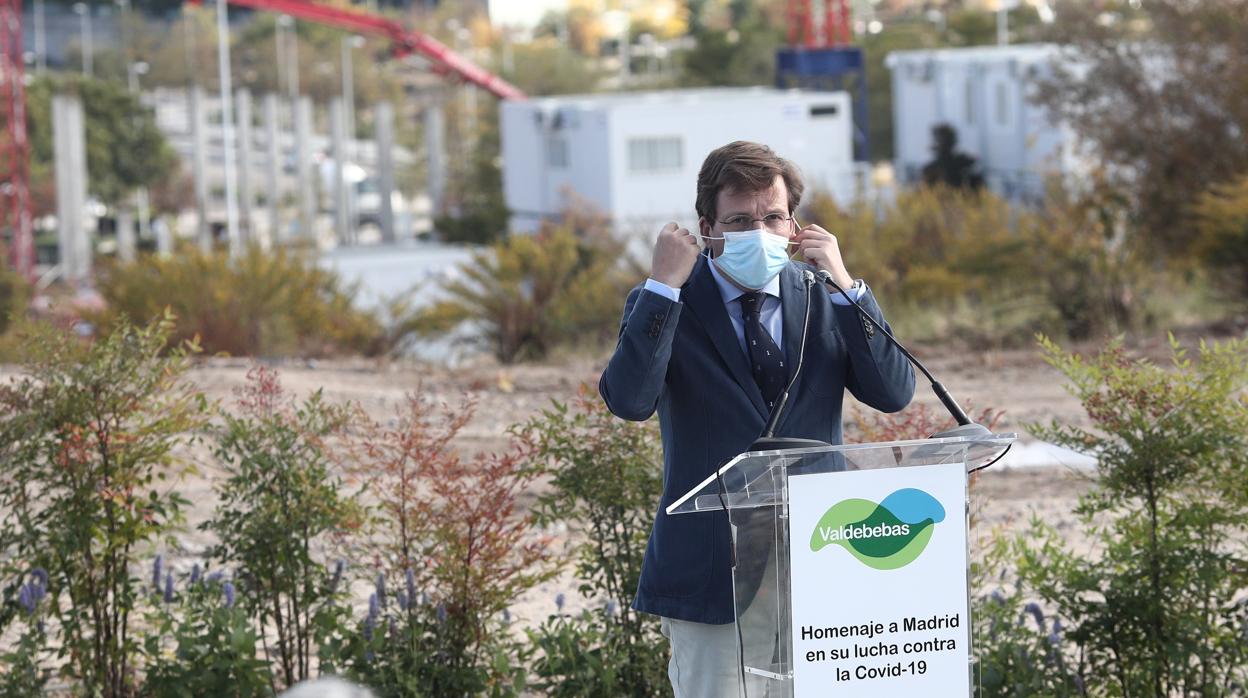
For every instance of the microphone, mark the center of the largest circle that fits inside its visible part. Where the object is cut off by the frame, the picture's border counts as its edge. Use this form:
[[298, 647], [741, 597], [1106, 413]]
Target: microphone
[[768, 442], [965, 426]]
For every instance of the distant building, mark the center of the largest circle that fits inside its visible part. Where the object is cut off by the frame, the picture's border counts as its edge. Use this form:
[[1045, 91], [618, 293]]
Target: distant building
[[635, 155], [984, 93]]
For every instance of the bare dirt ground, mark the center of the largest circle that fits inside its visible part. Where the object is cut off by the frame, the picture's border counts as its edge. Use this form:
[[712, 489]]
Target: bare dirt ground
[[1015, 381]]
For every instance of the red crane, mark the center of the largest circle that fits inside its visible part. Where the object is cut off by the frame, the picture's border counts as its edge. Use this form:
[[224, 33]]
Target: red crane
[[836, 24], [404, 42], [15, 215]]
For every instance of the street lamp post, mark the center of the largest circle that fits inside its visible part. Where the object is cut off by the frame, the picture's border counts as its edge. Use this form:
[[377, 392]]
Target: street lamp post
[[84, 15], [227, 128]]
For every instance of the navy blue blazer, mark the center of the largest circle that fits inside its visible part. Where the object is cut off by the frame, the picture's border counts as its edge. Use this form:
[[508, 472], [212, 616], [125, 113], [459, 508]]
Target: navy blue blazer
[[683, 360]]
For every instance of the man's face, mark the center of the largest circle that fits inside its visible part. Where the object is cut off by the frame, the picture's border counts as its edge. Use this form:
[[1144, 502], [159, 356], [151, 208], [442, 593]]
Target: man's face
[[746, 211]]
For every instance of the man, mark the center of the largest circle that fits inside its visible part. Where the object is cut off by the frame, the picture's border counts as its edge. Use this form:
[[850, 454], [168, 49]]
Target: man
[[709, 341]]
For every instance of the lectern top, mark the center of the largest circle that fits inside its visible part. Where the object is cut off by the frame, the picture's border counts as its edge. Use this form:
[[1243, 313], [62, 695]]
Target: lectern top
[[757, 478]]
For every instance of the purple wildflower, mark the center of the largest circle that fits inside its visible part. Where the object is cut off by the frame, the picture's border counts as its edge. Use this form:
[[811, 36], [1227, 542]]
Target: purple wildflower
[[196, 573], [1034, 609], [228, 590], [441, 613], [402, 599], [25, 598], [41, 576], [215, 577], [506, 615], [381, 589], [339, 567], [157, 567], [410, 576], [374, 607], [610, 609], [560, 599], [168, 587], [370, 623]]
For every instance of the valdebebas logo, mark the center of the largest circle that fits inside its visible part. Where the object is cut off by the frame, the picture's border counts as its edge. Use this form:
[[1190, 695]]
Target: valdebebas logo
[[884, 536]]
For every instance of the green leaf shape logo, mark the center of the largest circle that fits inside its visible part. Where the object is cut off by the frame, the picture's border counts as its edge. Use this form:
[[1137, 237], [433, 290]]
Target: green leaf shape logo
[[884, 536]]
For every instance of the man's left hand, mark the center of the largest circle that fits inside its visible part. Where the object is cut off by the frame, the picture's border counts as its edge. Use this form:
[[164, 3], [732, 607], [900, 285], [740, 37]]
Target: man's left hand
[[819, 247]]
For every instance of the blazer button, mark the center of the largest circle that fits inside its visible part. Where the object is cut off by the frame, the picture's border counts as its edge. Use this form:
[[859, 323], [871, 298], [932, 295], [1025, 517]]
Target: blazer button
[[866, 325]]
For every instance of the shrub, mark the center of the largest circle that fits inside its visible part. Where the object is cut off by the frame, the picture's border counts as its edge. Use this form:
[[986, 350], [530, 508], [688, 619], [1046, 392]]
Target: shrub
[[606, 480], [532, 293], [22, 674], [201, 641], [1222, 222], [14, 293], [87, 438], [1155, 613], [455, 553], [280, 506], [262, 303]]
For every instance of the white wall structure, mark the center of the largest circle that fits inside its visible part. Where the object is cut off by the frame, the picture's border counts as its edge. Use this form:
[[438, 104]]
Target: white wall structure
[[635, 156], [985, 94]]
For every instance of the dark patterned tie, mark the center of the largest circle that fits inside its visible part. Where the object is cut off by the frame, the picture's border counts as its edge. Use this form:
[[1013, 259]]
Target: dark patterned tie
[[766, 361]]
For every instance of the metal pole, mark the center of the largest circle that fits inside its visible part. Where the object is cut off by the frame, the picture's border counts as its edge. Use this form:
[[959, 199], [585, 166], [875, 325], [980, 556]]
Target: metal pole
[[337, 128], [275, 167], [83, 11], [227, 128], [199, 166], [303, 166], [245, 193], [383, 117], [293, 66]]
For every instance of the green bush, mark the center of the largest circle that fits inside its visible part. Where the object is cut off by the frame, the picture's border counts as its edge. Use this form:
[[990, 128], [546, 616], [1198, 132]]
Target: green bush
[[1158, 609], [14, 293], [605, 481], [529, 294], [281, 504], [275, 303], [87, 443], [954, 263], [450, 535], [201, 641], [1222, 223]]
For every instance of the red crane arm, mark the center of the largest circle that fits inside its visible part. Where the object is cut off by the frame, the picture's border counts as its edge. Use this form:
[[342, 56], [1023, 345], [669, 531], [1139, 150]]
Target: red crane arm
[[405, 41]]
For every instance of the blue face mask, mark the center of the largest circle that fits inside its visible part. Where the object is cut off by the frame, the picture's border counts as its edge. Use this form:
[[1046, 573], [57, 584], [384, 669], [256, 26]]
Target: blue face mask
[[753, 258]]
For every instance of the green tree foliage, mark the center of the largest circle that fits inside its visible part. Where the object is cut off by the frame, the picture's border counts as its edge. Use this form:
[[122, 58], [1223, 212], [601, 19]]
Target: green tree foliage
[[531, 294], [87, 447], [1156, 611], [281, 504], [1161, 101], [546, 67], [949, 166], [1222, 221], [14, 294], [605, 482], [125, 149], [475, 195], [262, 303], [736, 46]]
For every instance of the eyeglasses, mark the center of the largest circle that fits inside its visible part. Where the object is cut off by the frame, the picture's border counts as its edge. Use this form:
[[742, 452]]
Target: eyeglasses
[[774, 222]]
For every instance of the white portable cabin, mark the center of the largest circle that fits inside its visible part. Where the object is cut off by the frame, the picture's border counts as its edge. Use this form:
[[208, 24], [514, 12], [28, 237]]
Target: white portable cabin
[[985, 94], [635, 156]]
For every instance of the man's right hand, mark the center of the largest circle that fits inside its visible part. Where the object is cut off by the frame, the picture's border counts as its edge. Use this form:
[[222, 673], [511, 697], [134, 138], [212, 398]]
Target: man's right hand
[[675, 253]]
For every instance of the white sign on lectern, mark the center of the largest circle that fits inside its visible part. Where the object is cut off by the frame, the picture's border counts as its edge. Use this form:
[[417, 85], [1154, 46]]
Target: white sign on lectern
[[879, 603]]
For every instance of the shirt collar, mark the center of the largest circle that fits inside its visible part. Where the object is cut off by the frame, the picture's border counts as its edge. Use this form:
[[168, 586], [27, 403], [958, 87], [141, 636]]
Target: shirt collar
[[729, 291]]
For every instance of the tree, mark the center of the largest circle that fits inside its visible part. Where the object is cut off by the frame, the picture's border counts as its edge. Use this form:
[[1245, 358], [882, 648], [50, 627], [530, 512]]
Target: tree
[[949, 166], [125, 149], [1158, 94]]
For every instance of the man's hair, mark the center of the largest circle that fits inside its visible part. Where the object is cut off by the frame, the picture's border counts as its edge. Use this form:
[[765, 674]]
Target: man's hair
[[742, 166]]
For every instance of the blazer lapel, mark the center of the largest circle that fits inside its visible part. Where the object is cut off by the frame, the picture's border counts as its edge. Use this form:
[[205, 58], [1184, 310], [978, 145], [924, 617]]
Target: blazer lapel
[[702, 297], [793, 292]]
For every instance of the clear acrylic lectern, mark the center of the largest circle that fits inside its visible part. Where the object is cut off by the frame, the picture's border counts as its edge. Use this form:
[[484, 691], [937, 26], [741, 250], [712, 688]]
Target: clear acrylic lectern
[[754, 488]]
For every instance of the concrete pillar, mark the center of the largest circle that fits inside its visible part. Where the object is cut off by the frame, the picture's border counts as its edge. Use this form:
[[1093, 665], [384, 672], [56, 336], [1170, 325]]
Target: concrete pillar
[[274, 195], [125, 234], [383, 130], [246, 196], [69, 156], [303, 167], [338, 133], [435, 156], [198, 127]]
